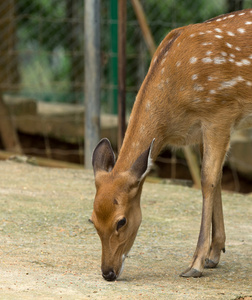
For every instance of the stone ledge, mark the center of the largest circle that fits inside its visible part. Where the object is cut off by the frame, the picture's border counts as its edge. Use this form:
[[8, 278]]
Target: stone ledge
[[61, 121]]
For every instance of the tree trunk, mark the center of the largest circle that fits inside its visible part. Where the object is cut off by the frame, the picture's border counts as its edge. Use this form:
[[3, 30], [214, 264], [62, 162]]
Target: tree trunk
[[233, 5]]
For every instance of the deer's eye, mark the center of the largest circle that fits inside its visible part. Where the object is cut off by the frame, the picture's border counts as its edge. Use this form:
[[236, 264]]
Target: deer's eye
[[121, 223]]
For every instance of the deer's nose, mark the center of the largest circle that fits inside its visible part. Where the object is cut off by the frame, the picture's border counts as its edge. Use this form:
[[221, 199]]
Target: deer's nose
[[109, 275]]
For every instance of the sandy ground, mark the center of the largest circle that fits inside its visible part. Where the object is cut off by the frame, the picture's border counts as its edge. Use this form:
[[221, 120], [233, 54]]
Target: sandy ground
[[49, 250]]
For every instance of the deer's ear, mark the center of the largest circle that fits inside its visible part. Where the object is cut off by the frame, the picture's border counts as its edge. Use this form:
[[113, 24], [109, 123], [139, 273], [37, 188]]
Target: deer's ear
[[142, 165], [103, 157]]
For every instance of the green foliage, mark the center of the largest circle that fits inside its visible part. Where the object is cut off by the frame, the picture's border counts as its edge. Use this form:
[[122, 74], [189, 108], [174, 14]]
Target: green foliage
[[43, 21], [45, 45]]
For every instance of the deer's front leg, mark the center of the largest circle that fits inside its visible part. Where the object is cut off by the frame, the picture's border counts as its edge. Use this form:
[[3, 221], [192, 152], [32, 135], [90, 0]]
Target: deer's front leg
[[214, 150]]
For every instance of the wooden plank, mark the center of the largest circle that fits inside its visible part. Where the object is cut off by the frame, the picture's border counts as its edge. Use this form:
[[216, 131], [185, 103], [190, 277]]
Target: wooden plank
[[7, 129]]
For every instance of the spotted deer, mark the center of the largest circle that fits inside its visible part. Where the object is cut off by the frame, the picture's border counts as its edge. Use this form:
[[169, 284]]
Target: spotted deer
[[198, 89]]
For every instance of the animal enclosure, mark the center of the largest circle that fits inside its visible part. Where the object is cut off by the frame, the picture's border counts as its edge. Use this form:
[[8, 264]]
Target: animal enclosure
[[42, 68]]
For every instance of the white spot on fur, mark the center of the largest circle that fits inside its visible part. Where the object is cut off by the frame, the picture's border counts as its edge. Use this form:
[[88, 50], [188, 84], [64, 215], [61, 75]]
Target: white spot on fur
[[230, 33], [209, 31], [250, 56], [248, 23], [238, 48], [209, 52], [231, 60], [241, 30], [245, 62], [218, 30], [193, 60], [248, 83], [162, 71], [239, 78], [206, 44], [166, 53], [211, 78], [231, 16], [192, 35], [219, 36], [223, 53], [228, 84], [163, 61], [148, 105], [219, 60], [178, 63], [207, 60], [232, 55], [218, 20], [198, 88], [231, 83], [241, 14], [212, 92], [239, 63], [155, 59], [194, 77], [229, 45]]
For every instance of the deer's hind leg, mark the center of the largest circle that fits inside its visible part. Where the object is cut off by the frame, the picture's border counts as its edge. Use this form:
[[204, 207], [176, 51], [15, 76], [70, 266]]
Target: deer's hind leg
[[216, 140], [218, 231], [218, 228]]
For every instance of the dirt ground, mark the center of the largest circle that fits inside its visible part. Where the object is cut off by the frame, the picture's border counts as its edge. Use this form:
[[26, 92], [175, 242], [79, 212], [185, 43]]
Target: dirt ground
[[49, 250]]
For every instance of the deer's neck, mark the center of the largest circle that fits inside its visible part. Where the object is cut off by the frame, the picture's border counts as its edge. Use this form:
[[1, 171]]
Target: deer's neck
[[143, 127]]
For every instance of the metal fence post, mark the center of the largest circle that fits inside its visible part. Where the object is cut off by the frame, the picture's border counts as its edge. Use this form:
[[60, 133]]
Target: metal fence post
[[92, 77], [122, 18], [114, 56]]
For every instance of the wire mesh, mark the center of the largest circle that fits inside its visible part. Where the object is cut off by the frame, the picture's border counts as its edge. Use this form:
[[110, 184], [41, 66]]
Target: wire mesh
[[42, 53], [42, 42]]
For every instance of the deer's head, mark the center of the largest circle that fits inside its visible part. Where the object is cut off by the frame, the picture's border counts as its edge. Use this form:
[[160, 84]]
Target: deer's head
[[117, 213]]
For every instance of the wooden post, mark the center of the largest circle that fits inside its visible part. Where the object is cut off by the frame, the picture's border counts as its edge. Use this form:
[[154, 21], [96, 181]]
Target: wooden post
[[92, 78], [122, 18], [192, 162], [144, 26], [7, 129], [9, 75]]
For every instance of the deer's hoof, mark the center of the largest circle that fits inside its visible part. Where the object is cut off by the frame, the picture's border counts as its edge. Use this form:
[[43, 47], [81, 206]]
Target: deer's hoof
[[191, 272], [210, 264]]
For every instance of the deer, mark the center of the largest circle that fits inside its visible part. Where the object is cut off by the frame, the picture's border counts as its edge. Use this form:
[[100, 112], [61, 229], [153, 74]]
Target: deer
[[197, 91]]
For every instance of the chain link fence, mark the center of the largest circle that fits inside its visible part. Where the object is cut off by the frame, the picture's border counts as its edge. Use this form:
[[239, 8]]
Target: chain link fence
[[42, 60]]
